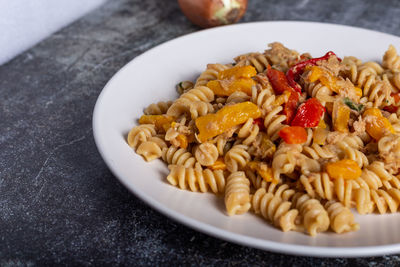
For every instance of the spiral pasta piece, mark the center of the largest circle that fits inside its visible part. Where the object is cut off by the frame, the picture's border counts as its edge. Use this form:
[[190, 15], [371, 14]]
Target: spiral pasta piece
[[196, 179], [263, 98], [353, 154], [274, 209], [211, 73], [237, 193], [151, 149], [386, 199], [391, 60], [139, 134], [236, 158], [184, 86], [248, 132], [285, 159], [353, 141], [320, 92], [341, 218], [316, 152], [314, 216], [237, 97], [273, 122], [392, 183], [256, 180], [196, 102], [257, 60], [375, 174], [282, 191], [194, 108], [318, 185], [198, 93], [375, 91], [206, 154], [178, 156], [158, 108]]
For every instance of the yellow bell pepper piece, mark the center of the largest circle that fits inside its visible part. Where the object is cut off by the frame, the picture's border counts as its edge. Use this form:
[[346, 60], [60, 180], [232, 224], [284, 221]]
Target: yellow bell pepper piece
[[237, 72], [161, 122], [328, 80], [376, 125], [359, 91], [262, 169], [345, 168], [340, 117], [219, 164], [320, 135], [212, 125], [283, 98], [321, 124], [315, 73], [231, 86], [183, 141]]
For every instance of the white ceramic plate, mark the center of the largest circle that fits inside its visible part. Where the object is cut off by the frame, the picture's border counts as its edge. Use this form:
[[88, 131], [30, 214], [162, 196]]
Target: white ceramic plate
[[152, 77]]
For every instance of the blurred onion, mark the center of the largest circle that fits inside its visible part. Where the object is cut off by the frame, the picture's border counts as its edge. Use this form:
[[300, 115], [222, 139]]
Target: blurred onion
[[211, 13]]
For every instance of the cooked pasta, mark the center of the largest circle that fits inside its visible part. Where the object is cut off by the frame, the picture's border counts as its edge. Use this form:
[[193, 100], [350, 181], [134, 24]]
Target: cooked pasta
[[196, 178], [257, 60], [140, 134], [157, 108], [313, 215], [341, 218], [206, 154], [178, 156], [303, 142], [275, 209], [237, 158], [237, 193], [151, 149]]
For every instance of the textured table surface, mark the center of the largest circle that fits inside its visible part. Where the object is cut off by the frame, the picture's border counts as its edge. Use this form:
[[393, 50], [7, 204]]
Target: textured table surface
[[58, 201]]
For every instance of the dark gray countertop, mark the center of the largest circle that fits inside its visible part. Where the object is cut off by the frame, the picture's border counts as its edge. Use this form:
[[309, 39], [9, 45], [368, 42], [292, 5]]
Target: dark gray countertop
[[58, 201]]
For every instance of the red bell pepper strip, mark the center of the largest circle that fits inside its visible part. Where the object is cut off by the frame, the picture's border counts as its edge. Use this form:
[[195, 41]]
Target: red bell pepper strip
[[293, 135], [396, 97], [280, 84], [260, 123], [308, 114], [290, 106], [278, 80], [294, 72], [393, 108]]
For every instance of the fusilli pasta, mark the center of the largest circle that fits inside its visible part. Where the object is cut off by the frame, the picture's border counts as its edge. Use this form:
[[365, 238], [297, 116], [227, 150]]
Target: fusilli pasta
[[298, 140]]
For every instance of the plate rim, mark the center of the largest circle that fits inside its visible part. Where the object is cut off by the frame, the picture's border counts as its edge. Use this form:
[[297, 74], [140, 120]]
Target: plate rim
[[239, 239]]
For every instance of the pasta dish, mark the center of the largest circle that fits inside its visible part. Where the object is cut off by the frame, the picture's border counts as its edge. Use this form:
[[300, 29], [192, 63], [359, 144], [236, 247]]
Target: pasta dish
[[301, 141]]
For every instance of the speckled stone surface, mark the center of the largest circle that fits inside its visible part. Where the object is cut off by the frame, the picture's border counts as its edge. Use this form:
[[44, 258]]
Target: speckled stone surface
[[59, 204]]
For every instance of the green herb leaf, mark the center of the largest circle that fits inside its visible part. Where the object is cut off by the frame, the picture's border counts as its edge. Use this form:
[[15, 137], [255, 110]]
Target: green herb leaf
[[350, 104]]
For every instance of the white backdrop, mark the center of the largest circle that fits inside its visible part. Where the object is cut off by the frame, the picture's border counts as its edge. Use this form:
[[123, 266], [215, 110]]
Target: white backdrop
[[23, 23]]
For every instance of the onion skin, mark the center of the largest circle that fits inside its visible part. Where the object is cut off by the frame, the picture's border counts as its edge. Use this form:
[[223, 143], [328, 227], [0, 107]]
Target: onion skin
[[211, 13]]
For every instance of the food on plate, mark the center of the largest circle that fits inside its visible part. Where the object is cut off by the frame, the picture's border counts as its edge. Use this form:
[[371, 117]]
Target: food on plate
[[300, 141]]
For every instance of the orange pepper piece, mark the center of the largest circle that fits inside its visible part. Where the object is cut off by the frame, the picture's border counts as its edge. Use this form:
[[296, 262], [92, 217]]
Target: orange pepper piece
[[328, 80], [231, 86], [324, 77], [345, 168], [262, 169], [183, 142], [212, 125], [161, 122], [237, 72], [219, 164], [293, 135], [376, 124], [340, 117]]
